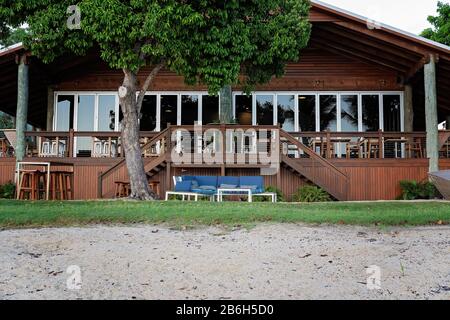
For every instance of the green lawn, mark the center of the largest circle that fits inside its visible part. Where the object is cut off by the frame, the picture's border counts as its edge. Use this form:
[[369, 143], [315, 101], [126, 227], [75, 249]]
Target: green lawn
[[17, 214]]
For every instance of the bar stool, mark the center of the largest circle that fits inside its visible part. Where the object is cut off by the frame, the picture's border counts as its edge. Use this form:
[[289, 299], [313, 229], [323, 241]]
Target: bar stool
[[155, 187], [122, 189], [29, 184], [61, 185]]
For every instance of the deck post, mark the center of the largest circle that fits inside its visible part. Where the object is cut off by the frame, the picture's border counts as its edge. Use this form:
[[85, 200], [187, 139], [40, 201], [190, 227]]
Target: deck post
[[431, 117], [226, 105], [22, 105], [50, 107], [409, 109]]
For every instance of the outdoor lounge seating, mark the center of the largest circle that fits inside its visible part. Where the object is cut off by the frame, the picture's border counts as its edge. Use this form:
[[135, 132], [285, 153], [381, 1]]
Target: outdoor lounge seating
[[216, 187]]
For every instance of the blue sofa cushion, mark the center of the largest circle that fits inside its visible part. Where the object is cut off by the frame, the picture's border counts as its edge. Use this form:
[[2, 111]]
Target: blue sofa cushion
[[206, 181], [209, 190], [183, 186], [228, 186], [229, 181], [256, 183]]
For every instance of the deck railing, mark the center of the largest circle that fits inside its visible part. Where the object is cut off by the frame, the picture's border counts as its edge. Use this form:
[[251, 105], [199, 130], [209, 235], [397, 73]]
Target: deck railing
[[329, 145]]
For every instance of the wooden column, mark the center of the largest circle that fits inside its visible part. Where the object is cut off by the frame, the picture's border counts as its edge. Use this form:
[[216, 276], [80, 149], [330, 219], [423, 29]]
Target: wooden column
[[22, 106], [409, 109], [431, 117], [50, 107], [226, 105], [448, 123]]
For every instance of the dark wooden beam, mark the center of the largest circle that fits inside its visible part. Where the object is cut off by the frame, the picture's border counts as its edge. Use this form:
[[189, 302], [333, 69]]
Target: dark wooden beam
[[384, 36], [372, 52], [358, 55], [370, 42]]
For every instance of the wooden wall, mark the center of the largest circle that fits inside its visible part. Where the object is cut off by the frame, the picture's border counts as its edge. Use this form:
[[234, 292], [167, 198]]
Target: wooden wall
[[375, 179], [317, 69]]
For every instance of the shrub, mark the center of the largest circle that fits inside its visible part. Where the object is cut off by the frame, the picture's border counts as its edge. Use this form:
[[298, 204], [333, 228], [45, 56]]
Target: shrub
[[7, 190], [413, 190], [280, 196], [311, 194]]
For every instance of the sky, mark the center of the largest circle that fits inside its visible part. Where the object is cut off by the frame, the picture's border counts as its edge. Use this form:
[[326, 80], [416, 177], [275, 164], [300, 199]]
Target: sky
[[407, 15]]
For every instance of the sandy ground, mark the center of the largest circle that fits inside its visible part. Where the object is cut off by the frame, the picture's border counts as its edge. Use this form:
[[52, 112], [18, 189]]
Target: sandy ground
[[271, 261]]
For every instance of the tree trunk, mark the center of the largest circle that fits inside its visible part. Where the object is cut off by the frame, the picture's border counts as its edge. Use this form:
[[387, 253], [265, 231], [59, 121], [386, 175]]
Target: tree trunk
[[130, 139]]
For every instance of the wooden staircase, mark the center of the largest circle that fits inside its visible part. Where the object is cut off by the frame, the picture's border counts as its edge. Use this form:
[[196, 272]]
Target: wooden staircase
[[300, 160], [312, 167], [155, 162]]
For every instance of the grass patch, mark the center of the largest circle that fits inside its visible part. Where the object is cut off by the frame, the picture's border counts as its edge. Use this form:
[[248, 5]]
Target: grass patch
[[25, 214]]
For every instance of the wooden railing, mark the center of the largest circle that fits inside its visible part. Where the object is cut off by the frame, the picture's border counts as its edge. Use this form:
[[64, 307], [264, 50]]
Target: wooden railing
[[315, 168], [345, 145], [365, 145], [156, 147], [62, 144]]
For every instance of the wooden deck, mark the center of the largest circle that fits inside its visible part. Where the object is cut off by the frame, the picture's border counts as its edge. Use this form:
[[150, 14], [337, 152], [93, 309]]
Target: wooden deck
[[371, 179], [344, 176]]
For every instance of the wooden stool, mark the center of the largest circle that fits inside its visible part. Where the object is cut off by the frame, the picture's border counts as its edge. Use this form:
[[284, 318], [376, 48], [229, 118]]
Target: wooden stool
[[122, 189], [29, 184], [155, 187], [61, 185]]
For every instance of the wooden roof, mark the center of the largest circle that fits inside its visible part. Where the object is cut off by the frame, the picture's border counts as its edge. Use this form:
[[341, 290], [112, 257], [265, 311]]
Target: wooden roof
[[334, 30]]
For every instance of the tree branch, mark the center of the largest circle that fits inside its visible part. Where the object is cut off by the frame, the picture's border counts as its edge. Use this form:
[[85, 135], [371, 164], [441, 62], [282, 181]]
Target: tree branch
[[147, 83]]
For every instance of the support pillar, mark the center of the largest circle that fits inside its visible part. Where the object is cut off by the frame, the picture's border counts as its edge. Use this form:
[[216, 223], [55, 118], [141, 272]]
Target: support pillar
[[22, 106], [50, 107], [226, 105], [447, 123], [431, 117], [409, 109]]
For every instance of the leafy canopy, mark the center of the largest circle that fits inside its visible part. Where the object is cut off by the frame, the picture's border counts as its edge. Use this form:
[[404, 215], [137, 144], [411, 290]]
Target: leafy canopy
[[13, 36], [206, 41], [441, 25]]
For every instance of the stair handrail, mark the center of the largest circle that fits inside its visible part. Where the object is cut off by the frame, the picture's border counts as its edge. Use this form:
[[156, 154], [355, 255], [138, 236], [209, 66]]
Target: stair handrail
[[311, 153], [122, 162]]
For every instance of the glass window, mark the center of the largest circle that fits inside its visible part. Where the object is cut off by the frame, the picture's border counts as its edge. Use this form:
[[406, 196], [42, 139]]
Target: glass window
[[168, 110], [210, 112], [148, 118], [85, 122], [64, 112], [307, 113], [264, 109], [106, 113], [189, 109], [371, 112], [328, 112], [286, 112], [349, 113], [244, 109], [391, 113]]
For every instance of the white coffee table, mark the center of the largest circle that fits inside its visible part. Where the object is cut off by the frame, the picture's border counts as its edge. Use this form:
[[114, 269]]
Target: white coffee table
[[233, 192]]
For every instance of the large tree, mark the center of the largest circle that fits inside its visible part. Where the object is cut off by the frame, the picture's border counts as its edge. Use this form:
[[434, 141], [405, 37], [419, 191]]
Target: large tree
[[440, 31], [12, 36], [206, 41]]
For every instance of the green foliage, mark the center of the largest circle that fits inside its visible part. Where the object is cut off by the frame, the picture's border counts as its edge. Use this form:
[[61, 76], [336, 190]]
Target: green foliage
[[7, 191], [6, 121], [208, 41], [440, 31], [413, 190], [270, 189], [311, 194], [12, 36]]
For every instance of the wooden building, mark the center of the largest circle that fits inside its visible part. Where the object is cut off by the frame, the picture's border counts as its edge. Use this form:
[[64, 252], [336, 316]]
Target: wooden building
[[358, 113]]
